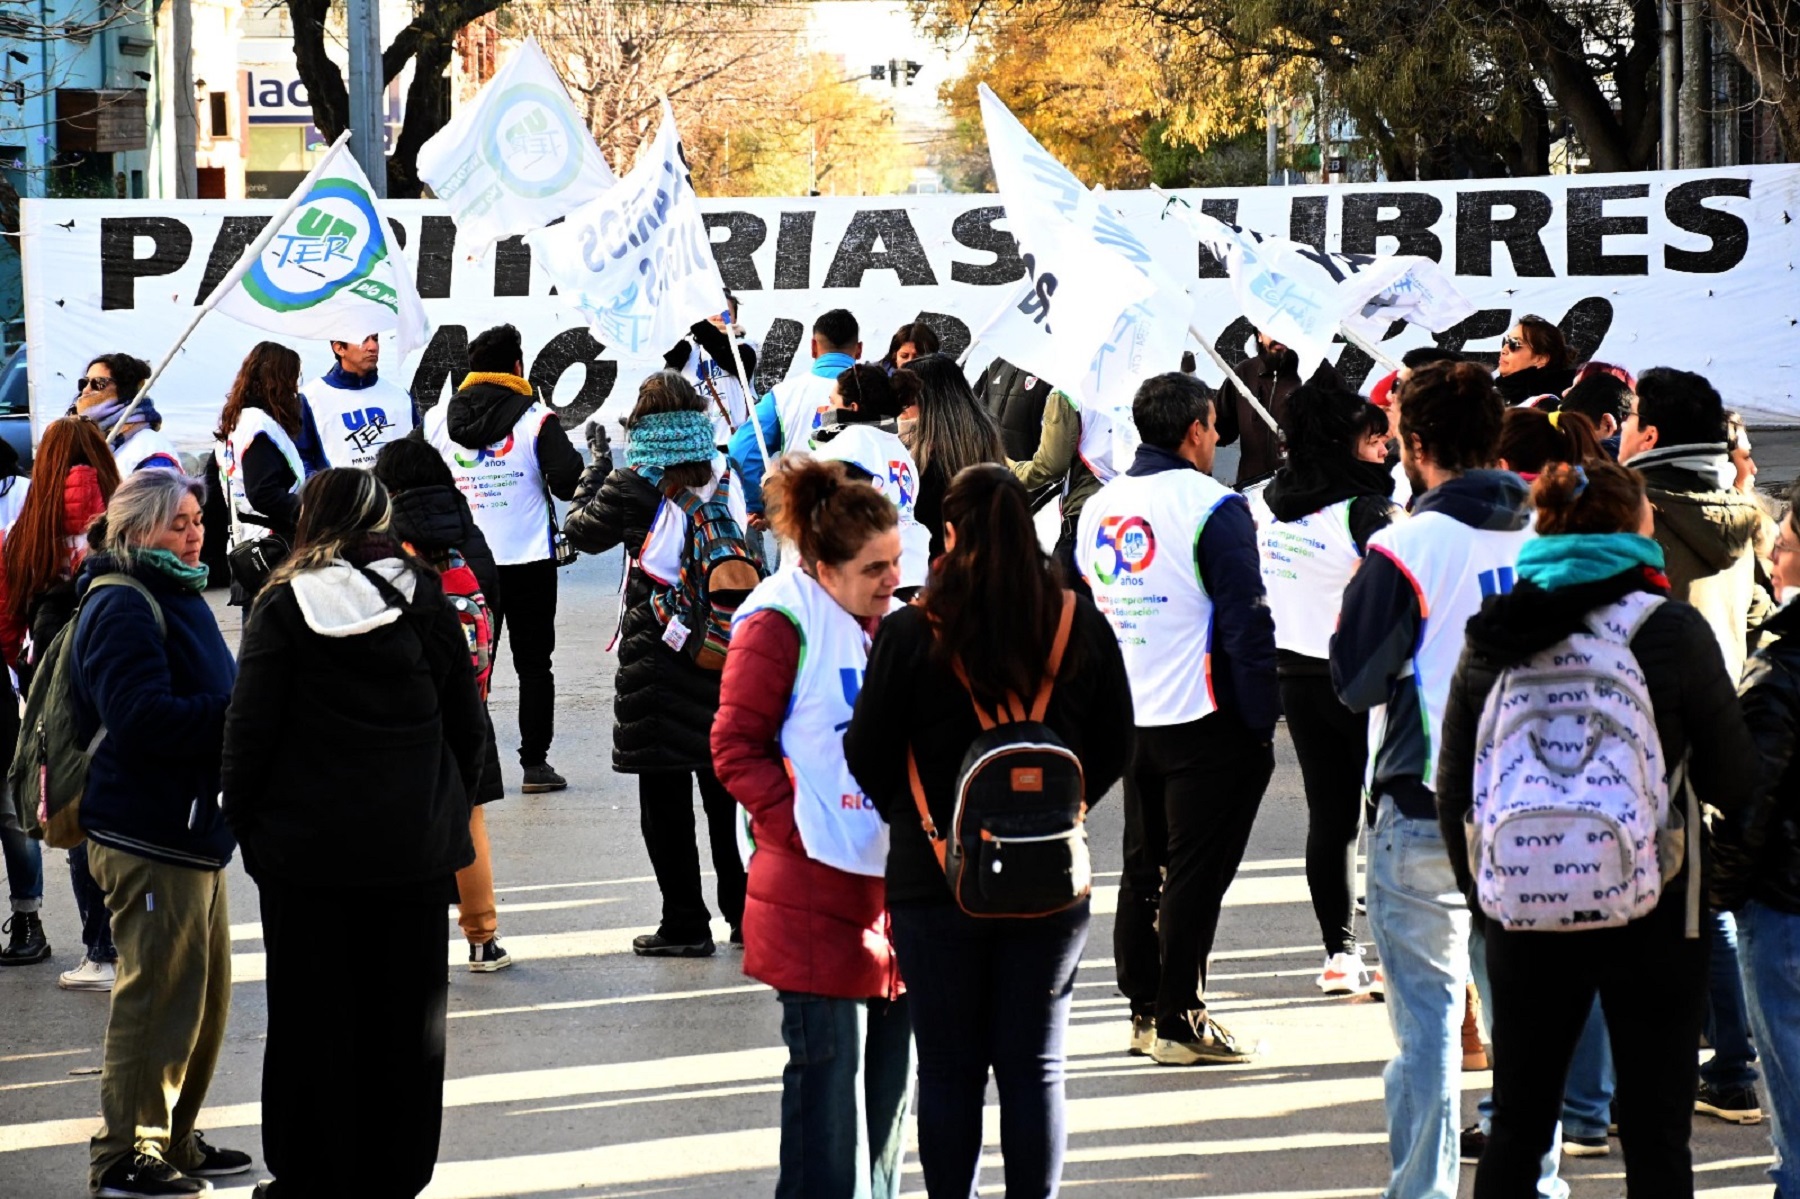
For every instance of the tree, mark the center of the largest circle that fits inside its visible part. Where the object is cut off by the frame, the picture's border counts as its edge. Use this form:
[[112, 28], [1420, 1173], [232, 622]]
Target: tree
[[428, 42], [1765, 37]]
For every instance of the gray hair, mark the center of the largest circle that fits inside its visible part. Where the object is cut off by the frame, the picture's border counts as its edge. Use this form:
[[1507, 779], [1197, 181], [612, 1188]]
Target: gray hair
[[144, 506]]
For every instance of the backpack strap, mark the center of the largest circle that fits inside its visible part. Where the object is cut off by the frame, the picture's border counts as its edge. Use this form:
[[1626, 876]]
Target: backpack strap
[[119, 579], [932, 834], [1620, 621], [1015, 710]]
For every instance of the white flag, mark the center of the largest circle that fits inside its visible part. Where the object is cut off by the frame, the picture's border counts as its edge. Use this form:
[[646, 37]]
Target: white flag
[[516, 159], [637, 260], [330, 270], [1095, 315]]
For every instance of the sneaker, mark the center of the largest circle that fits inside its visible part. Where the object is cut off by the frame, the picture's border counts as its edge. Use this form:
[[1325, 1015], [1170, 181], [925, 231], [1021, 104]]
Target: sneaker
[[541, 778], [1735, 1104], [737, 936], [1472, 1143], [1198, 1040], [1377, 985], [488, 957], [89, 976], [1343, 974], [655, 945], [217, 1163], [141, 1176], [1143, 1035], [1585, 1146], [26, 944]]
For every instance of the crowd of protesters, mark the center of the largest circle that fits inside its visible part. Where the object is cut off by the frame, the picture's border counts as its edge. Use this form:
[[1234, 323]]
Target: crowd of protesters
[[1497, 611]]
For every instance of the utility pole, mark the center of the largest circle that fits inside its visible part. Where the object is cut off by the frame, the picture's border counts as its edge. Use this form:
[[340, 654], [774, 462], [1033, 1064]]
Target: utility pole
[[368, 143], [181, 84], [1670, 85], [1696, 85]]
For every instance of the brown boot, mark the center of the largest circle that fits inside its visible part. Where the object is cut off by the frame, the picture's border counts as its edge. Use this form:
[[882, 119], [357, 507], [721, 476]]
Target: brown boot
[[1474, 1053]]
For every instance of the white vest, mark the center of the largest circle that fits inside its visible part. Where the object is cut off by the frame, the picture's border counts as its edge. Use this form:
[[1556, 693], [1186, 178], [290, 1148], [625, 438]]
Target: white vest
[[354, 425], [1452, 568], [253, 423], [503, 485], [1135, 547], [150, 446], [886, 457], [802, 403], [838, 824], [13, 490], [702, 371], [1306, 564]]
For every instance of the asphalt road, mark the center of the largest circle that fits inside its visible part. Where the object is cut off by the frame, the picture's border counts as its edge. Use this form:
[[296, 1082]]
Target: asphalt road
[[586, 1071]]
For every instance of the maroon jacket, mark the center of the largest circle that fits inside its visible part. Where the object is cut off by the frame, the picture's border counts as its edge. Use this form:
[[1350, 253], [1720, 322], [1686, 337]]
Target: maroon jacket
[[808, 927]]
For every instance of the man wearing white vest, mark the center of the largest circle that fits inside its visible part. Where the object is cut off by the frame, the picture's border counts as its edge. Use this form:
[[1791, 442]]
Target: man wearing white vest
[[705, 358], [509, 454], [796, 407], [353, 409], [1398, 640], [1171, 557]]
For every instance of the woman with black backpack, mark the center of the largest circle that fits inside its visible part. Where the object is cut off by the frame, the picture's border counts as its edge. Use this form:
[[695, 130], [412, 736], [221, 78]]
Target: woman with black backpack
[[664, 698], [993, 633]]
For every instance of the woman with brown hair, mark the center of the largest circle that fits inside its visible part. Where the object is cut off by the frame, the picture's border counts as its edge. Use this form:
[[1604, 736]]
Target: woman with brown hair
[[815, 918], [39, 558], [953, 431], [257, 451], [983, 991], [1534, 361], [664, 701], [909, 342], [1531, 439]]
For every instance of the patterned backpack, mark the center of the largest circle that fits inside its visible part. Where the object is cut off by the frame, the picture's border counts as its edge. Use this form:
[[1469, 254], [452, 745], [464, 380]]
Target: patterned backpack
[[463, 591], [720, 566]]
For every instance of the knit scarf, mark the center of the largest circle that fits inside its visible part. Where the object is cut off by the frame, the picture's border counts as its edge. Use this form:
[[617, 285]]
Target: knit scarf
[[172, 568], [669, 438], [107, 416], [1569, 559]]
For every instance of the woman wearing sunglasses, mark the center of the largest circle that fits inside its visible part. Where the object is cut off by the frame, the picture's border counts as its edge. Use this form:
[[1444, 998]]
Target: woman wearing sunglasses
[[103, 393], [1534, 361]]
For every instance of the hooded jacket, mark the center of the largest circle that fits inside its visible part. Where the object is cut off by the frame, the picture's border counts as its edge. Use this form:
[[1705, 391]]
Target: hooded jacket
[[1759, 851], [355, 735], [483, 412], [1689, 691], [435, 519]]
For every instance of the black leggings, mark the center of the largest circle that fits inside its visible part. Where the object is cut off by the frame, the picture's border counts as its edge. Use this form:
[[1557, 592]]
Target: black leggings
[[666, 815], [1332, 744]]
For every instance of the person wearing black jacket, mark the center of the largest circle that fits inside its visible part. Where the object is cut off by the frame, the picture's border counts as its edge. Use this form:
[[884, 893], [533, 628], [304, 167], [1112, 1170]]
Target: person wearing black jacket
[[983, 991], [352, 744], [1273, 375], [1171, 556], [1594, 552], [663, 702], [257, 453], [510, 456], [1757, 865], [1314, 521], [1016, 401], [1534, 362]]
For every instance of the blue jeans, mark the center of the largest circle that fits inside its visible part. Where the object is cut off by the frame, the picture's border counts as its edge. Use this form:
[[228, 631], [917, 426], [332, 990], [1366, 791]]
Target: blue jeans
[[24, 868], [1420, 923], [90, 901], [1770, 955], [1727, 1020], [843, 1096], [990, 993]]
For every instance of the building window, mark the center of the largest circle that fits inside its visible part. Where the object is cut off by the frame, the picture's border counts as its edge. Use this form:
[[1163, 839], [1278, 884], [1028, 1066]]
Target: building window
[[221, 114]]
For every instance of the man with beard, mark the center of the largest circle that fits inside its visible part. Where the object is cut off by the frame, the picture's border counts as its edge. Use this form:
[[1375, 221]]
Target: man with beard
[[1272, 375]]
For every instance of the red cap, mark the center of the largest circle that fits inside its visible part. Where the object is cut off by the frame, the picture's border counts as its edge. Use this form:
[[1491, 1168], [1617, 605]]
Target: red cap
[[1383, 394]]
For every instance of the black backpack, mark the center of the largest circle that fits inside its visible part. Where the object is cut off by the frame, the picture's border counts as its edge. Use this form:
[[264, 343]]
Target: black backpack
[[1017, 845]]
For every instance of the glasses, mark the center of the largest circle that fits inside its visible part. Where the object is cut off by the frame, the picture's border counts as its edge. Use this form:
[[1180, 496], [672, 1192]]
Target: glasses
[[1511, 343], [93, 383], [1783, 545]]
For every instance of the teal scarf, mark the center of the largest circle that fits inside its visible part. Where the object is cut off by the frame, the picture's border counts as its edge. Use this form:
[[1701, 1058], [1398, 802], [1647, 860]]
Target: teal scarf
[[172, 568], [669, 439], [1570, 559]]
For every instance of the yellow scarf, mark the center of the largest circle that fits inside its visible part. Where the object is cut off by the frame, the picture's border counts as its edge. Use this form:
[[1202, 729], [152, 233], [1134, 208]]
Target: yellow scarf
[[504, 379]]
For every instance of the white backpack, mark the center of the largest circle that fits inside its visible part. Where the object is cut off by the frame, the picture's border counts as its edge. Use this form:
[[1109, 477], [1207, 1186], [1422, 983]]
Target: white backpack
[[1572, 827]]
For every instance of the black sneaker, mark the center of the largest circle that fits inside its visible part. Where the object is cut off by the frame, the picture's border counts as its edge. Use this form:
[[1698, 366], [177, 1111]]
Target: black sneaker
[[217, 1163], [655, 945], [1585, 1146], [141, 1176], [541, 778], [737, 935], [1737, 1105], [1198, 1040], [1472, 1143], [26, 944], [488, 957]]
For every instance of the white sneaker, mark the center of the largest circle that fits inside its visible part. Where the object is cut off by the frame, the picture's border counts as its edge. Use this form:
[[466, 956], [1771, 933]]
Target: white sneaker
[[89, 976], [1343, 974]]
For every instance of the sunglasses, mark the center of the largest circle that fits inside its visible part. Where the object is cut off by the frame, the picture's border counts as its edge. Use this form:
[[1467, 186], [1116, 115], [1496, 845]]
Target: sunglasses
[[93, 383], [1511, 343]]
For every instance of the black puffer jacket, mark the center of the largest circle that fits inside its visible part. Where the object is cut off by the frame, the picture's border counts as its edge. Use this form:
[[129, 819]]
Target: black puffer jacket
[[1696, 712], [1016, 400], [663, 705], [1759, 852]]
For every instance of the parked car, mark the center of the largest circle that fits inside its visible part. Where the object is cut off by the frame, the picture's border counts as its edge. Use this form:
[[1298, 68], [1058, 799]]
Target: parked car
[[15, 408]]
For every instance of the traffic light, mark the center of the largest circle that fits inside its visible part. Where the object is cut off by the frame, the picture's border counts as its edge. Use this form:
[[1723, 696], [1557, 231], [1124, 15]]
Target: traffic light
[[912, 72], [878, 72]]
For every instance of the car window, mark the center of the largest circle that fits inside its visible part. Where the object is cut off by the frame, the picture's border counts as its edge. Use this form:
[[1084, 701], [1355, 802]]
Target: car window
[[15, 397]]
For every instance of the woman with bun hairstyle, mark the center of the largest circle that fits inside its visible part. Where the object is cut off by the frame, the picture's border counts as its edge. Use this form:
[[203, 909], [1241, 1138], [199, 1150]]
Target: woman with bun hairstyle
[[1594, 558], [984, 992], [1313, 524], [815, 917], [1531, 439]]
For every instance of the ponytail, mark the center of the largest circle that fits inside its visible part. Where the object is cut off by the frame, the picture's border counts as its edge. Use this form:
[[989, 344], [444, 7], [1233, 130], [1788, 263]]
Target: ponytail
[[1531, 438]]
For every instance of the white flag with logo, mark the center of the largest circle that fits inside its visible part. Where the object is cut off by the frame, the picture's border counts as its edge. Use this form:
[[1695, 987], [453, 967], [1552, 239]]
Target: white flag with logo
[[516, 159], [331, 271], [637, 260], [1095, 314]]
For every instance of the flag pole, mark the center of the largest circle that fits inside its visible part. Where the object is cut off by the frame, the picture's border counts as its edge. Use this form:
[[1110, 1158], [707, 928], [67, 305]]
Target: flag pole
[[737, 363], [234, 276], [1366, 346], [1233, 377]]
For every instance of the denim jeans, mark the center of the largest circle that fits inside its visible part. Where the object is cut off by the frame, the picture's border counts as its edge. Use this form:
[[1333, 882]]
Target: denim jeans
[[990, 993], [1769, 949], [90, 901], [1732, 1064], [843, 1096], [24, 868], [1420, 923], [1588, 1095], [1550, 1183]]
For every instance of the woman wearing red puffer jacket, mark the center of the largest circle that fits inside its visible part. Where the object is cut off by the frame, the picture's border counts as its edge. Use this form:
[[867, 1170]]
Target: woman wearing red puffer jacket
[[815, 916]]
